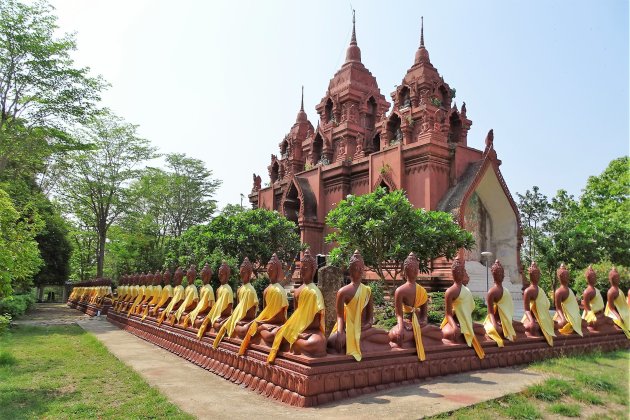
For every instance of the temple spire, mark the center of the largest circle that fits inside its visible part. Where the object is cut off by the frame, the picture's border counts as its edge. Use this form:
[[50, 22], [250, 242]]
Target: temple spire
[[353, 41], [353, 53], [302, 102], [301, 116], [422, 55], [421, 31]]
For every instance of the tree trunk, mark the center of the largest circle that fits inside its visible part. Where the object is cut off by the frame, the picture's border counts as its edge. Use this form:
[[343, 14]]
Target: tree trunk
[[100, 257]]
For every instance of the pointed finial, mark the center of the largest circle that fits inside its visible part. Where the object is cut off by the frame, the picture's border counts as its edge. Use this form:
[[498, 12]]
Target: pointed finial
[[302, 104], [354, 32], [422, 31]]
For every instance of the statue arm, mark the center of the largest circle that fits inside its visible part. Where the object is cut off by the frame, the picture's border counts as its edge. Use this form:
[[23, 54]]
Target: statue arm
[[398, 303], [557, 300], [369, 313], [491, 315], [448, 311], [611, 296], [587, 296], [423, 318]]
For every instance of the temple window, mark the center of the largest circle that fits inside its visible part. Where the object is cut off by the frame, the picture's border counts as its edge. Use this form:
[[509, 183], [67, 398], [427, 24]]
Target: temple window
[[275, 169], [393, 129], [404, 98], [318, 144], [329, 111], [455, 128], [370, 116], [376, 143], [444, 97], [283, 148]]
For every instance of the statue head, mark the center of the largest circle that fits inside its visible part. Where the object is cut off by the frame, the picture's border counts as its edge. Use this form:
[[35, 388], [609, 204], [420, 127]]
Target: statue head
[[458, 270], [245, 270], [191, 274], [356, 266], [166, 277], [178, 276], [274, 269], [411, 266], [206, 274], [591, 276], [563, 275], [157, 278], [534, 273], [308, 265], [613, 277], [224, 272], [148, 279], [497, 272]]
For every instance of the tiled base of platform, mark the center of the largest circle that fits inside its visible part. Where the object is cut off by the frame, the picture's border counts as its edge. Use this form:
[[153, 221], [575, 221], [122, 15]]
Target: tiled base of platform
[[90, 308], [302, 381]]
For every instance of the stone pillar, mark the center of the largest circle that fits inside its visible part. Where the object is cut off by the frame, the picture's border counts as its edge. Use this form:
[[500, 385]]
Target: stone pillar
[[329, 281]]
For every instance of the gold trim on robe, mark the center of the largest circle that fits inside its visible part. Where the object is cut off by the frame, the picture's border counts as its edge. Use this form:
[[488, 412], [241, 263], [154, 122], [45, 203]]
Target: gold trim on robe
[[571, 312], [225, 296], [505, 308], [622, 309], [540, 308], [420, 299], [206, 300], [191, 296], [275, 301], [597, 305], [352, 315], [247, 299], [463, 307]]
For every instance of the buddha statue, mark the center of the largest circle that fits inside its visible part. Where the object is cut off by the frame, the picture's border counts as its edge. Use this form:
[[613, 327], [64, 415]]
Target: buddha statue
[[121, 292], [223, 305], [191, 297], [303, 332], [165, 297], [536, 318], [134, 289], [178, 296], [148, 294], [156, 283], [274, 313], [410, 304], [459, 305], [353, 334], [142, 289], [567, 316], [617, 306], [499, 323], [206, 301], [245, 311], [593, 305]]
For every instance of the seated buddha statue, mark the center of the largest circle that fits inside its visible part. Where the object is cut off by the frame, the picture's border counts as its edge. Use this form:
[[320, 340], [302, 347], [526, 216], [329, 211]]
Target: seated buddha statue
[[191, 297], [178, 296], [142, 290], [244, 313], [206, 300], [499, 324], [412, 329], [567, 316], [156, 293], [165, 297], [148, 294], [134, 289], [353, 334], [617, 306], [536, 318], [459, 305], [303, 332], [222, 308], [593, 305], [274, 313], [121, 292]]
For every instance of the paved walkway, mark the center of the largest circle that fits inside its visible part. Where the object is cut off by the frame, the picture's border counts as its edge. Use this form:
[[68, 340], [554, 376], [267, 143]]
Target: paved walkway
[[207, 396], [43, 314]]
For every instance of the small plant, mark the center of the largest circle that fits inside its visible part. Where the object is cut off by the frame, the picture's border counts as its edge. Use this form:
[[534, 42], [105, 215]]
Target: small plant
[[5, 320], [481, 310], [565, 410], [550, 390], [435, 101], [308, 166], [453, 93], [378, 294], [385, 169], [7, 359], [586, 397], [384, 316], [519, 408]]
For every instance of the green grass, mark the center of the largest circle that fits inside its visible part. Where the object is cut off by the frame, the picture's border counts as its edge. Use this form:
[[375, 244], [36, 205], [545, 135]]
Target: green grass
[[596, 383], [62, 372]]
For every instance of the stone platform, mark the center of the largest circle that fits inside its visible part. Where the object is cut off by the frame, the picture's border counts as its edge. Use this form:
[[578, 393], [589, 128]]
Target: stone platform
[[306, 382], [90, 309]]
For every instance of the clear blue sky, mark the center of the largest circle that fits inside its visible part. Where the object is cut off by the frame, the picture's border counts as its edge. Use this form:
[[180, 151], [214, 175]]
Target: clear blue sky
[[220, 81]]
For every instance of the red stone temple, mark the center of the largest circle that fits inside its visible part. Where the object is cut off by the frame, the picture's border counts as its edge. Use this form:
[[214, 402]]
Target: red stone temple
[[420, 145]]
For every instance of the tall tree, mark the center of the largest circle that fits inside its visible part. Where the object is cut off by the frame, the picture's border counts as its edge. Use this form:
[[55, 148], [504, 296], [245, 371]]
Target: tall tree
[[95, 185], [42, 92], [386, 228], [534, 210]]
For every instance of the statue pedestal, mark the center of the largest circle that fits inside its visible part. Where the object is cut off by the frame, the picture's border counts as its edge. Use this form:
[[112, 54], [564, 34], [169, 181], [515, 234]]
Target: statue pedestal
[[305, 382], [90, 309]]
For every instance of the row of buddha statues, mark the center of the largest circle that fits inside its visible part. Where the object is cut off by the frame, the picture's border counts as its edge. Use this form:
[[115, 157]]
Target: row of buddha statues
[[96, 292], [207, 311]]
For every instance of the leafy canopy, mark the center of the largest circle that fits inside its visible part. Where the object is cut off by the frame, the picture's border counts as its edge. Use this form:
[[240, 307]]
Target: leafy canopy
[[385, 228]]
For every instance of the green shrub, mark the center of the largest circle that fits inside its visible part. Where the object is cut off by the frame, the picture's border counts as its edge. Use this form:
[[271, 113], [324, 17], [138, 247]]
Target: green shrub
[[436, 307], [384, 316], [260, 284], [5, 320], [435, 317], [481, 310], [378, 292], [16, 305]]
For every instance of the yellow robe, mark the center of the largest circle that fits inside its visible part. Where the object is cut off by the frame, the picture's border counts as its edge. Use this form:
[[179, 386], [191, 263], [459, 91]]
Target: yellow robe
[[121, 293], [540, 308], [206, 300], [275, 301], [148, 295], [141, 291], [622, 309], [155, 298], [247, 299], [167, 292], [421, 298], [310, 303], [571, 312], [352, 315], [597, 305], [505, 308], [225, 296], [191, 296], [463, 307], [178, 295]]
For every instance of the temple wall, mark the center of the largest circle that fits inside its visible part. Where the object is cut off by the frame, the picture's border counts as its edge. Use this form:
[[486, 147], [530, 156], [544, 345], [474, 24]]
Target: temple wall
[[463, 157]]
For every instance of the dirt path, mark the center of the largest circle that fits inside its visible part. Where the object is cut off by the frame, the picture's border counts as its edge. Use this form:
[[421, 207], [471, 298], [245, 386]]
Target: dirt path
[[43, 314]]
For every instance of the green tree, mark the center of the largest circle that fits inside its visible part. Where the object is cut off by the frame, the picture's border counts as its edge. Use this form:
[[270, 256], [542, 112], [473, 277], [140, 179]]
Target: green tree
[[385, 228], [95, 186], [42, 92], [534, 210], [19, 254]]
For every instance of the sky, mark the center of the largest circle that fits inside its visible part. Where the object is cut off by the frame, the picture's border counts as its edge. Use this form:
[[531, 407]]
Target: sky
[[220, 80]]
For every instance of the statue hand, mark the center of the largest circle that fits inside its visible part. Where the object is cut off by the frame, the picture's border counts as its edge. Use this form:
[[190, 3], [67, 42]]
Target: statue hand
[[304, 336], [341, 339], [407, 326]]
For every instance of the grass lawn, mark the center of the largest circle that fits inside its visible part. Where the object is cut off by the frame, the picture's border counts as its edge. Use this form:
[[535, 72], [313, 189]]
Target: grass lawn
[[62, 372], [590, 386]]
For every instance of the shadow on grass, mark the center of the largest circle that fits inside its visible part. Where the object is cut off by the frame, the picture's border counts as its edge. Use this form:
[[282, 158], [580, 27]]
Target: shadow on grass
[[21, 403], [26, 331]]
